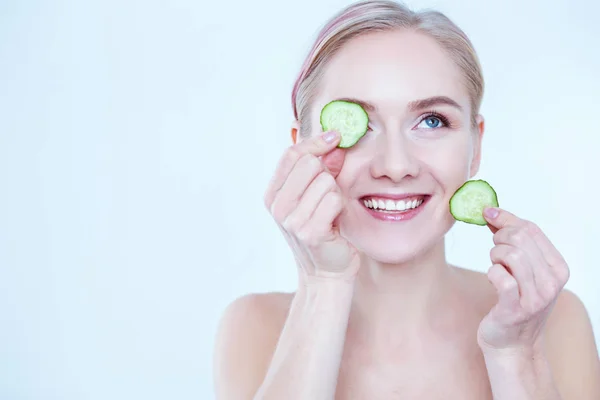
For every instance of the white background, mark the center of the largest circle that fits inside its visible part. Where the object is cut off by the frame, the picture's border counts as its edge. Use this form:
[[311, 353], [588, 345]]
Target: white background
[[136, 141]]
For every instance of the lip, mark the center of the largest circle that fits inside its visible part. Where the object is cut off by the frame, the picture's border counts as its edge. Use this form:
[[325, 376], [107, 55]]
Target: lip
[[396, 216], [390, 196]]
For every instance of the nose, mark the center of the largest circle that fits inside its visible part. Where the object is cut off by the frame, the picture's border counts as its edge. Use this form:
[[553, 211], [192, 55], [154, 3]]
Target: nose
[[395, 159]]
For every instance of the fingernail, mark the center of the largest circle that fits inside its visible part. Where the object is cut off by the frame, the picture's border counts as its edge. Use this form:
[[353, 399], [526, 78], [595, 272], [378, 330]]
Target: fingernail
[[330, 137], [490, 212]]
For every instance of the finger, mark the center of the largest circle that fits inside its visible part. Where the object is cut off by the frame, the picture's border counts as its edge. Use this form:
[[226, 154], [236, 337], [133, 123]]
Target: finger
[[506, 286], [515, 261], [317, 146], [299, 179], [302, 258], [309, 201], [543, 278], [319, 228], [558, 265], [498, 218], [323, 239], [519, 237], [316, 232]]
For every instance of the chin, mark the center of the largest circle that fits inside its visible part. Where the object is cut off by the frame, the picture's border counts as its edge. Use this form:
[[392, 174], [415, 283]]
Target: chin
[[398, 243], [396, 251]]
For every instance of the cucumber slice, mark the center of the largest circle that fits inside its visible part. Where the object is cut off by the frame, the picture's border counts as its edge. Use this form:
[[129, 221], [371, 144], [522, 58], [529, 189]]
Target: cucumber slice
[[470, 199], [348, 118]]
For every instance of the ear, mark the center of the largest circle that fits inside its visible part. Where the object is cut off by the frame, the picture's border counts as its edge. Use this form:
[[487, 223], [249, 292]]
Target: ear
[[295, 130], [476, 161]]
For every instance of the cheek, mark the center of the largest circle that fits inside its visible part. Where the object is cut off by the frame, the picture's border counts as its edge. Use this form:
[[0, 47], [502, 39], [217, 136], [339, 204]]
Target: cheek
[[355, 168], [450, 165]]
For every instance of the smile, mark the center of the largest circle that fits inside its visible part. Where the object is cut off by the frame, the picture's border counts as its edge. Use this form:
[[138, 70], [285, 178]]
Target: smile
[[390, 209]]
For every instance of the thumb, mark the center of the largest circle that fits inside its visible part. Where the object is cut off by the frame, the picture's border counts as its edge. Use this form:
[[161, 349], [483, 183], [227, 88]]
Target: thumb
[[334, 161]]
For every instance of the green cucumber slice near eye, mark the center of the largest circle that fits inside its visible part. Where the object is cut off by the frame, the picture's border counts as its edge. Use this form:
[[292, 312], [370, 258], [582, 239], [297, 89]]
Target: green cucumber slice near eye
[[348, 118], [470, 199]]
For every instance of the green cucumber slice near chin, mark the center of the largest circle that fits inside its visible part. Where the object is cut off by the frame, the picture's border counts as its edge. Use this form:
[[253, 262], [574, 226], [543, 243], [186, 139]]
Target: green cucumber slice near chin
[[347, 118], [470, 199]]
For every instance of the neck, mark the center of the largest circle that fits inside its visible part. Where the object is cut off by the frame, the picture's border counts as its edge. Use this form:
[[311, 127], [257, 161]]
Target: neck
[[403, 300]]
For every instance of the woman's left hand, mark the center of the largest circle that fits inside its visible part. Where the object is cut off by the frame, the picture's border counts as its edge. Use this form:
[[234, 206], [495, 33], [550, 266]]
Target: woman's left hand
[[528, 274]]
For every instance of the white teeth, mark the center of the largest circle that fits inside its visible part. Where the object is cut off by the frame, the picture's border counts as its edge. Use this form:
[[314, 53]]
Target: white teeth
[[390, 205], [400, 205]]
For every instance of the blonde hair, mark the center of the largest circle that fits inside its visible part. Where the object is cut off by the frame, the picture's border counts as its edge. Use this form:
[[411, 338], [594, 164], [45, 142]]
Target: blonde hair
[[377, 16]]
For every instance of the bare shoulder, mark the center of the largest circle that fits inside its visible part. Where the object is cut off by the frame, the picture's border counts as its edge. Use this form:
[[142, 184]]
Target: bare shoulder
[[246, 338], [571, 348]]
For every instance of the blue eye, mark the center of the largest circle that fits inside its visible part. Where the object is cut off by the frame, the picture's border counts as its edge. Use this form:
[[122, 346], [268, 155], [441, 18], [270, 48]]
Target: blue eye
[[431, 122]]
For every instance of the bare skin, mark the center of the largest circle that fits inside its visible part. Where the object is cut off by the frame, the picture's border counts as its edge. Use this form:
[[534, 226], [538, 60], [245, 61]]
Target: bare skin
[[427, 365], [378, 312]]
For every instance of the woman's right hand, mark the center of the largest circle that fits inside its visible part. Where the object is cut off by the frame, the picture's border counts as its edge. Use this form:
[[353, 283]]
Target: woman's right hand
[[305, 201]]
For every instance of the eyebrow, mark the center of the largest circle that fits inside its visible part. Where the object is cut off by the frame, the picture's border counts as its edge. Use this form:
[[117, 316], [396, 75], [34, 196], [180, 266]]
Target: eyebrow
[[415, 105]]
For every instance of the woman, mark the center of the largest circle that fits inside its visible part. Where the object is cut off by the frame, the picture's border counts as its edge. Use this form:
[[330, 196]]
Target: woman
[[379, 313]]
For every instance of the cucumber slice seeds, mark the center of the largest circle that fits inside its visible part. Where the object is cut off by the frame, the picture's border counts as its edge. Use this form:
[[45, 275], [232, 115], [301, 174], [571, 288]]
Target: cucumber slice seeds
[[348, 118], [470, 199]]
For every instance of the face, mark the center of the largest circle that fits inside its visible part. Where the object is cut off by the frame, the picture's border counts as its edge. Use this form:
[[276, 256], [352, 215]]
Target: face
[[400, 176]]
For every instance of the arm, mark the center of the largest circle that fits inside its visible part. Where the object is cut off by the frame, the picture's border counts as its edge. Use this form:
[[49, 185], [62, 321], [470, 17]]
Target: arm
[[521, 376], [567, 368], [307, 358], [303, 363]]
